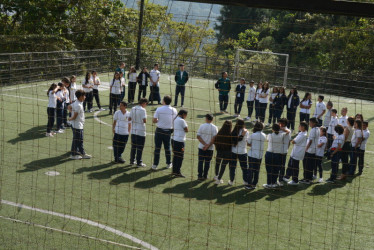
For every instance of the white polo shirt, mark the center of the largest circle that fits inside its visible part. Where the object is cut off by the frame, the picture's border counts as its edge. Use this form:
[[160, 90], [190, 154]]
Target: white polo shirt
[[97, 81], [122, 122], [332, 125], [241, 147], [365, 139], [275, 143], [155, 75], [73, 89], [207, 131], [273, 95], [327, 119], [343, 120], [138, 114], [52, 99], [356, 134], [298, 151], [165, 115], [286, 141], [132, 77], [264, 99], [179, 125], [338, 140], [320, 107], [313, 136], [251, 94], [321, 151], [77, 107], [90, 83], [257, 142], [305, 103], [116, 87]]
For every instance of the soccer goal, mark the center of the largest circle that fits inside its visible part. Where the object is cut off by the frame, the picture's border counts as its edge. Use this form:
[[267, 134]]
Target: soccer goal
[[261, 66]]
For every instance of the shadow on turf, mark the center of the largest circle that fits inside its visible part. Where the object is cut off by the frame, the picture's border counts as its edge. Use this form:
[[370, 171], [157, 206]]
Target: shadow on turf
[[30, 134], [106, 174], [45, 163]]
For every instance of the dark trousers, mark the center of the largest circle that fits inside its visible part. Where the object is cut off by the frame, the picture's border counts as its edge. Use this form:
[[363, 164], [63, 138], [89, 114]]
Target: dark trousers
[[291, 116], [113, 102], [223, 102], [250, 108], [65, 115], [304, 117], [355, 155], [361, 160], [179, 89], [262, 111], [142, 91], [257, 109], [319, 122], [205, 157], [77, 144], [330, 139], [59, 114], [137, 146], [51, 119], [272, 163], [318, 166], [254, 170], [131, 92], [162, 136], [178, 156], [222, 159], [95, 94], [293, 169], [243, 164], [335, 165], [282, 168], [119, 145], [238, 106], [155, 94], [277, 114], [88, 101], [309, 163], [123, 93], [344, 154], [271, 113]]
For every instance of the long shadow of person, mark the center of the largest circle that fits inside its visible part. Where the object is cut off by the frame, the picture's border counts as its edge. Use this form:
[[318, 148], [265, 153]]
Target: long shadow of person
[[96, 168], [243, 196], [106, 174], [285, 191], [132, 177], [325, 188], [30, 134], [45, 163], [153, 182]]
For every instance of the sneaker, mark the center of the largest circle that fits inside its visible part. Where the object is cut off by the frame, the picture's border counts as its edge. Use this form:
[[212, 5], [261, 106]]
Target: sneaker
[[248, 118], [329, 180], [48, 134], [141, 165], [245, 183], [292, 183], [101, 109], [60, 131], [249, 187], [86, 156], [314, 177], [280, 184], [134, 163], [285, 179], [225, 111], [320, 180], [231, 183], [342, 177], [75, 157], [267, 186], [179, 175], [217, 182], [120, 160], [215, 178], [201, 179], [168, 166], [268, 125], [305, 182], [154, 167]]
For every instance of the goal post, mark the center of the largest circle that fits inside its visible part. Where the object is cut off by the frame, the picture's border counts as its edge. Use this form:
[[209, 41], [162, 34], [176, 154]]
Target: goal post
[[261, 65]]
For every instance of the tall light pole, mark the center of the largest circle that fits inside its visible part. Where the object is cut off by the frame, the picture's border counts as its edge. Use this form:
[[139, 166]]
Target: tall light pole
[[138, 48]]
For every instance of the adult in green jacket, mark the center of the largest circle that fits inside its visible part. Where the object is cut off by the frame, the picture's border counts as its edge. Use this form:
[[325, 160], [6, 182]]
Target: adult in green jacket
[[181, 78], [224, 86]]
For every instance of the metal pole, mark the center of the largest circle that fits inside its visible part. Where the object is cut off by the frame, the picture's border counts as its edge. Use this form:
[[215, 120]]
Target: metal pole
[[138, 49]]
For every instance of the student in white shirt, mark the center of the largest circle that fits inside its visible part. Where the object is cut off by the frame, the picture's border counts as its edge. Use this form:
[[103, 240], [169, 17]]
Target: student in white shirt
[[320, 152], [73, 88], [257, 101], [263, 101], [361, 155], [205, 135], [178, 142], [256, 141], [297, 155], [115, 86], [87, 85], [123, 87], [347, 148], [138, 132], [66, 83], [251, 99], [51, 108], [60, 106], [327, 118], [164, 118], [356, 144], [305, 105], [143, 82], [309, 161], [132, 76], [271, 106], [77, 124], [343, 120], [95, 89], [121, 129], [239, 137], [335, 150], [331, 129], [293, 100], [320, 110], [154, 77], [286, 143]]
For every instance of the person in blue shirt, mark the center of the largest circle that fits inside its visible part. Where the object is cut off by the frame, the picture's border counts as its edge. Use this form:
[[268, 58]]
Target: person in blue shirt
[[181, 78], [239, 98], [293, 102], [224, 86]]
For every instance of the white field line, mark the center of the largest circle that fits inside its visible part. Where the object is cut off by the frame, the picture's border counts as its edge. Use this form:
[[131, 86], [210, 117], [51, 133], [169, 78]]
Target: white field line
[[89, 222], [67, 232], [25, 97]]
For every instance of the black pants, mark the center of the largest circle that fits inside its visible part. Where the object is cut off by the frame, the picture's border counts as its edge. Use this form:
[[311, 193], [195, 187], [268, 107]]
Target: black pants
[[361, 160], [162, 136], [51, 119], [319, 122], [330, 139], [131, 92], [309, 163], [291, 116], [155, 94], [257, 109], [223, 102], [304, 117], [88, 101], [271, 114], [59, 114], [113, 102], [137, 146], [95, 93], [262, 111], [123, 93], [272, 163], [238, 106], [222, 159], [293, 170], [254, 170], [344, 154], [119, 145], [179, 89], [77, 144], [142, 91], [355, 155], [178, 156], [65, 115], [335, 165], [205, 157], [318, 166], [250, 108], [282, 168], [243, 165]]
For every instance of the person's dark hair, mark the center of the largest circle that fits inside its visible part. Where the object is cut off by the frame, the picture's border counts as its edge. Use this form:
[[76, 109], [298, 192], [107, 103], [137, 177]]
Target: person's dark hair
[[283, 121], [334, 111], [305, 96], [123, 103], [167, 99], [235, 132], [93, 71], [61, 85], [275, 128], [359, 124], [87, 78], [321, 97], [324, 131], [304, 125], [52, 87], [365, 123], [72, 77], [265, 87], [339, 129], [351, 121], [361, 117], [329, 103], [258, 127], [116, 73], [156, 64], [182, 112], [143, 100], [294, 92], [65, 80], [79, 93], [223, 72], [313, 120], [209, 117], [223, 138]]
